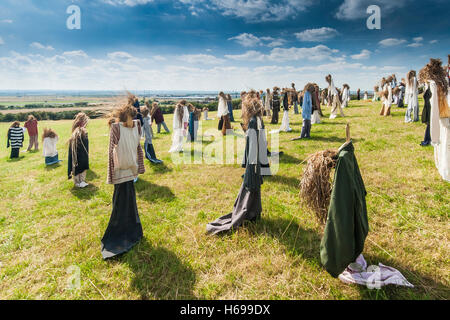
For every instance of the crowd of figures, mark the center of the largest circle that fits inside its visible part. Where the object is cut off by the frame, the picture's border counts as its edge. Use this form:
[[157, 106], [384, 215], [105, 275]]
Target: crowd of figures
[[130, 122]]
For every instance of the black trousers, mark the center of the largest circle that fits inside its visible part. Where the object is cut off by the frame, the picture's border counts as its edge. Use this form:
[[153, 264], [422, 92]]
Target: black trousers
[[306, 129], [427, 138], [124, 229], [15, 153], [275, 117]]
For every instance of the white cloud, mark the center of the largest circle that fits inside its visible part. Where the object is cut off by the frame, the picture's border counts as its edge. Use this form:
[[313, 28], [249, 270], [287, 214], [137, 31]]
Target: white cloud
[[200, 59], [392, 42], [248, 56], [40, 46], [250, 40], [253, 11], [119, 55], [365, 54], [9, 21], [417, 42], [433, 41], [356, 9], [318, 53], [247, 40], [75, 54], [1, 41], [130, 3], [317, 35]]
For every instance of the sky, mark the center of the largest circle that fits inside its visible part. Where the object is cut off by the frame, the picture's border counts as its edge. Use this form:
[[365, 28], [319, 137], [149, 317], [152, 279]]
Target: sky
[[201, 45]]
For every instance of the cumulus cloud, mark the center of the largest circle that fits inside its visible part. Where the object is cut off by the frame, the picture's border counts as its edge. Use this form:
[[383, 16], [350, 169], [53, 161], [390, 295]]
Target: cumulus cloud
[[356, 9], [317, 35], [40, 46], [250, 40], [9, 21], [365, 54], [417, 42], [130, 3], [318, 53], [392, 42], [76, 54]]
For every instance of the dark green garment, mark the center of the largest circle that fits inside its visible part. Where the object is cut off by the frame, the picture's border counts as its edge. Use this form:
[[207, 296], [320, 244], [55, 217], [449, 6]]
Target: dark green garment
[[347, 226]]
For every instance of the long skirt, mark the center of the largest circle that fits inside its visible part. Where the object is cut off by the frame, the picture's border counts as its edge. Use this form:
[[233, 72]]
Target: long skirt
[[124, 229], [315, 119], [336, 106], [285, 122], [274, 117], [226, 124], [52, 160], [385, 110], [177, 140], [247, 207], [15, 153]]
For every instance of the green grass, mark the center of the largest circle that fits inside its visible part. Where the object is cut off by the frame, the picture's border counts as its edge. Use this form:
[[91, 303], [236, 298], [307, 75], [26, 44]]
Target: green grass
[[46, 226]]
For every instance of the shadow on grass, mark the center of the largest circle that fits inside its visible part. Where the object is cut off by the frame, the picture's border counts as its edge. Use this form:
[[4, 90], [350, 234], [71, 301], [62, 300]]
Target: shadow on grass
[[85, 193], [159, 273], [53, 166], [286, 158], [297, 240], [160, 168], [151, 192], [289, 181], [91, 175], [15, 159]]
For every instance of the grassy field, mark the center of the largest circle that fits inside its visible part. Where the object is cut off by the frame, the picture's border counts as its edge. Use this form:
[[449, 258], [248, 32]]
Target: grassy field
[[47, 227]]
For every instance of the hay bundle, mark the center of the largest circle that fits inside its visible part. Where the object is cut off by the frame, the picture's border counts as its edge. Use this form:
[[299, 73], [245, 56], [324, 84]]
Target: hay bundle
[[396, 91], [434, 71], [315, 186]]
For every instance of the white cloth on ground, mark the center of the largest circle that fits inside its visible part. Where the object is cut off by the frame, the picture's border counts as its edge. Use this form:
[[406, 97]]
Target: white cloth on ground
[[374, 277]]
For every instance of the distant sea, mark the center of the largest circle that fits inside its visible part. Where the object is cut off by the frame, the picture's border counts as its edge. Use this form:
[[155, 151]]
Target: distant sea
[[194, 95]]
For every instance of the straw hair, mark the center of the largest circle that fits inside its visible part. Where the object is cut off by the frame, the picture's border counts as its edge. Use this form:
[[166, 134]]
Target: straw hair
[[122, 114], [15, 124], [433, 71], [251, 106], [145, 111], [410, 76], [49, 133], [31, 117], [315, 185], [328, 78]]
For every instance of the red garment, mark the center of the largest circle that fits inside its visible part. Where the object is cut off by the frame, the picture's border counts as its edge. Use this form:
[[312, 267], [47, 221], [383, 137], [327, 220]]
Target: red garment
[[32, 127]]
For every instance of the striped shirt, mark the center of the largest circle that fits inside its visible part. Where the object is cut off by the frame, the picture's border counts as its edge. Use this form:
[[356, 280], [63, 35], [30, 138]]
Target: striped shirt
[[15, 137]]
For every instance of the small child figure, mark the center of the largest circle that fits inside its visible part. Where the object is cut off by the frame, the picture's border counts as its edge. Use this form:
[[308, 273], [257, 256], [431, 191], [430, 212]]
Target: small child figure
[[49, 141], [15, 139]]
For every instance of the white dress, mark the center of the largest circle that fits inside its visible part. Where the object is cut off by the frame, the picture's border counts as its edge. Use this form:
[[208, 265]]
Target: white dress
[[285, 122], [222, 109], [440, 135], [345, 98], [412, 99], [179, 130]]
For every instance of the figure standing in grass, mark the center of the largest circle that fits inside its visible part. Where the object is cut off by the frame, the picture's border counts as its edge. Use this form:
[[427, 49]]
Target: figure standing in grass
[[268, 103], [412, 98], [78, 162], [275, 105], [32, 128], [248, 206], [223, 114], [230, 107], [307, 107], [180, 125], [49, 142], [126, 162], [148, 134], [333, 96], [345, 95], [158, 117], [194, 118], [15, 139]]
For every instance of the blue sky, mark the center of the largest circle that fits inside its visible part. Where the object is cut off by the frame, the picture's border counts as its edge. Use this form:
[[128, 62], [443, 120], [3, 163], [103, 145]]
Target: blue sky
[[216, 44]]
